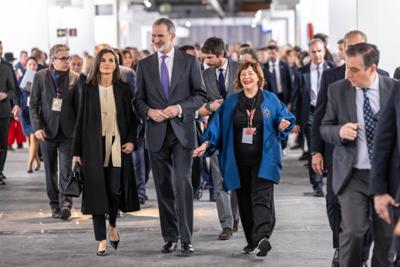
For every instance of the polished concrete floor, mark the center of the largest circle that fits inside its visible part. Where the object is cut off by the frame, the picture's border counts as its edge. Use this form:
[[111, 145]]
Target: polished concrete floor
[[30, 237]]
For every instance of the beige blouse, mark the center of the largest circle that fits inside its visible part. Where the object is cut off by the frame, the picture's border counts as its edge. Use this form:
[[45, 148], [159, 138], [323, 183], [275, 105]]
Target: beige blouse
[[110, 126]]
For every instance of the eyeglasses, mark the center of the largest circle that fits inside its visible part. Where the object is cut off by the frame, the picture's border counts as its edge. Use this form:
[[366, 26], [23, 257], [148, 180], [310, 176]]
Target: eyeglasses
[[63, 58]]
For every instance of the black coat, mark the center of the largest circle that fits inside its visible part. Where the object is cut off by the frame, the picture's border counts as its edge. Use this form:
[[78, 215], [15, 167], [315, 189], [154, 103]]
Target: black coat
[[286, 80], [88, 145]]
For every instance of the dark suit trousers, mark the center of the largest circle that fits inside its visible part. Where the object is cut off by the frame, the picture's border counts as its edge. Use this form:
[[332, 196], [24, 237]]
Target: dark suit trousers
[[57, 151], [356, 208], [112, 176], [172, 172], [256, 204], [315, 178], [4, 124], [333, 209]]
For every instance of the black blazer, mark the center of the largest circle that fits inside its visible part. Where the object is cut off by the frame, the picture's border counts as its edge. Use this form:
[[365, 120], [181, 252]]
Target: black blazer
[[88, 144], [286, 80], [317, 143], [385, 168], [302, 95], [186, 89], [41, 100], [8, 86]]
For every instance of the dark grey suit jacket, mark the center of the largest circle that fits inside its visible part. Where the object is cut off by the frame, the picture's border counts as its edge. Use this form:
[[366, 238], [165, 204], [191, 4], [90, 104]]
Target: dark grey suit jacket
[[385, 169], [210, 81], [341, 109], [7, 85], [186, 90], [41, 100]]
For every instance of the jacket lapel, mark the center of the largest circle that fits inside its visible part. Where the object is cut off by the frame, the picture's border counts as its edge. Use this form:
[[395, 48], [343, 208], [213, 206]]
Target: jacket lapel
[[154, 72], [350, 93], [51, 82], [177, 69], [384, 92]]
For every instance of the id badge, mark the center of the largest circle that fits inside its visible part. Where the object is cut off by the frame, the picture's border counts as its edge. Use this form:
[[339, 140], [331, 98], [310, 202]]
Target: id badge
[[247, 136], [27, 101], [57, 103]]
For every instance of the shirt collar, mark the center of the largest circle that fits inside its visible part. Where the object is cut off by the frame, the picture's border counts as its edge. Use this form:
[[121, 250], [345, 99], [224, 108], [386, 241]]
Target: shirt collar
[[315, 67], [276, 63], [170, 54], [374, 85], [225, 66]]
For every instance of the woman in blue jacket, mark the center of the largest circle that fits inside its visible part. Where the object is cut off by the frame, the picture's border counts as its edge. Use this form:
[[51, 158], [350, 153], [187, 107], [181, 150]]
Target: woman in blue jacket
[[248, 130]]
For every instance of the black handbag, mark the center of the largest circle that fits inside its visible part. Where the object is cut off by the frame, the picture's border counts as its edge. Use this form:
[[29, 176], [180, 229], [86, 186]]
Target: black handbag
[[74, 182]]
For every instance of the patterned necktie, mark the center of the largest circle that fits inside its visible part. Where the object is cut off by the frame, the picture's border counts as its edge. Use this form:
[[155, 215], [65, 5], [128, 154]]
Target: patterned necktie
[[369, 122], [164, 76], [221, 83]]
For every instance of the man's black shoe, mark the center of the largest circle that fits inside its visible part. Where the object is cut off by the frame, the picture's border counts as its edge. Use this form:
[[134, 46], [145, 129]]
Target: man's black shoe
[[186, 249], [56, 213], [169, 247], [318, 193], [2, 182], [142, 200], [65, 213], [335, 259], [263, 247], [2, 176], [249, 249]]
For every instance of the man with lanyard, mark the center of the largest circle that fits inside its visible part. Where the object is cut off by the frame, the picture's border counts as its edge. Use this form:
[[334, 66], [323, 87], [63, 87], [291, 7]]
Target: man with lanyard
[[53, 109]]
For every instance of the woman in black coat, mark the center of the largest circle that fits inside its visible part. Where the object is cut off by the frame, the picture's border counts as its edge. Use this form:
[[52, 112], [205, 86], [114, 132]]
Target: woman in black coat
[[105, 136]]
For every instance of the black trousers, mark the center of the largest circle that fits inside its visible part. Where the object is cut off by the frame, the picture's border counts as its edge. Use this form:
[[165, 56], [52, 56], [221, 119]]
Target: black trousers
[[333, 209], [112, 176], [4, 125], [57, 151], [256, 204]]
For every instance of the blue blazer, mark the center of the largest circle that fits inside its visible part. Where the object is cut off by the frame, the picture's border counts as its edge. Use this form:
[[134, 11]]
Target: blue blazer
[[220, 134]]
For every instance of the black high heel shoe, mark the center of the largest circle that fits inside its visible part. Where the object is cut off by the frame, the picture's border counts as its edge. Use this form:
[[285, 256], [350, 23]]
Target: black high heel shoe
[[115, 243]]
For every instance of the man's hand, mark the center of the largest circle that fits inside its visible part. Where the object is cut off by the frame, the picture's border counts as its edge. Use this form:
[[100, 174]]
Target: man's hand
[[283, 125], [157, 115], [203, 111], [349, 131], [16, 111], [171, 111], [127, 148], [3, 96], [76, 159], [216, 104], [318, 163], [40, 134], [199, 151], [381, 205], [296, 129]]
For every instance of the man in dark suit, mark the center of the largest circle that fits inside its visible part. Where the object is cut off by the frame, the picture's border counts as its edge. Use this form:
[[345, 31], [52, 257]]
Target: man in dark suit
[[53, 108], [322, 151], [384, 176], [7, 92], [219, 81], [169, 91], [352, 111], [306, 98], [278, 75]]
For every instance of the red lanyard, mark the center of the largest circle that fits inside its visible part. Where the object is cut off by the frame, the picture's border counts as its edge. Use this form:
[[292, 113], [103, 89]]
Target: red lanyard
[[250, 117]]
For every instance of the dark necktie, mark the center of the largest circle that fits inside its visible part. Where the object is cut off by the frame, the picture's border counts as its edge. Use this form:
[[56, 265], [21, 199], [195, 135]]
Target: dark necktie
[[221, 83], [369, 122], [318, 77], [274, 82], [164, 77]]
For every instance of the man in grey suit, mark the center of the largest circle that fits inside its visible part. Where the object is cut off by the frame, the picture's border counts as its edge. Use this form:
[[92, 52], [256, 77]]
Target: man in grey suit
[[53, 108], [219, 81], [7, 92], [169, 91], [349, 123]]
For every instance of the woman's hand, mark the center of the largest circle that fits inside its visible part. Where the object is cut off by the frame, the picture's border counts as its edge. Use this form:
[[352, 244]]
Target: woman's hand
[[76, 159], [283, 125], [127, 148], [199, 152]]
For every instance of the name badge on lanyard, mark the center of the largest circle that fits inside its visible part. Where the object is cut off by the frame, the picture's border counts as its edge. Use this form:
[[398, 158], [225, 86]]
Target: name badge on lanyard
[[57, 104], [250, 131]]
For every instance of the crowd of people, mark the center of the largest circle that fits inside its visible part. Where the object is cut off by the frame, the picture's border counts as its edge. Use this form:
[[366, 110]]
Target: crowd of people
[[214, 116]]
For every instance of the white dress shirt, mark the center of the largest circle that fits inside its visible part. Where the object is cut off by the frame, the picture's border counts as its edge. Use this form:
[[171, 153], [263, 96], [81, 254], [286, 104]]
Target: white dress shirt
[[314, 81], [278, 74], [169, 61], [362, 159], [225, 73]]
